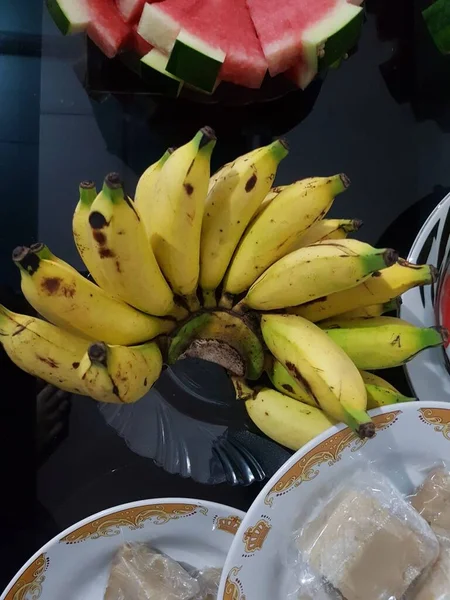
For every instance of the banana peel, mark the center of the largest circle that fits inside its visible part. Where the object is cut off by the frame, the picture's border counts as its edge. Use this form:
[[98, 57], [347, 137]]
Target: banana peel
[[222, 337]]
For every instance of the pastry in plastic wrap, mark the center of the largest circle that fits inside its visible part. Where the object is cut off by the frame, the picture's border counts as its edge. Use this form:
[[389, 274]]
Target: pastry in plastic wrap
[[367, 542], [208, 580], [432, 501], [140, 573], [435, 585]]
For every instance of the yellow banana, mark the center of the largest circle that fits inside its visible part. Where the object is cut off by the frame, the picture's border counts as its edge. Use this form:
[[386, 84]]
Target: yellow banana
[[316, 271], [283, 381], [177, 215], [69, 300], [272, 234], [322, 367], [83, 238], [373, 310], [286, 421], [384, 342], [327, 229], [373, 379], [144, 198], [120, 374], [239, 189], [381, 287], [125, 253], [43, 350], [381, 392]]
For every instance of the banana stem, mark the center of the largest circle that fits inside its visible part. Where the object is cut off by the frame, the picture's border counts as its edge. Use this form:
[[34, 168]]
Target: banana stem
[[209, 298], [226, 301], [192, 302]]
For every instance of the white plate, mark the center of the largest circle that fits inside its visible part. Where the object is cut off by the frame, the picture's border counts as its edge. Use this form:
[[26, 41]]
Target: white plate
[[410, 439], [75, 564], [427, 373]]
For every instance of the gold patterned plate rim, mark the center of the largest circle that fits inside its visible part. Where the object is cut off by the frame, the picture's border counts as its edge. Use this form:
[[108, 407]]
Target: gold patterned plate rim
[[252, 547], [29, 581]]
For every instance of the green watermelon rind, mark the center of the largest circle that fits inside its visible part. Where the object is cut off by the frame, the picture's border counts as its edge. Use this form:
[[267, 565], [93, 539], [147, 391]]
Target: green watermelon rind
[[69, 23], [195, 62], [437, 20], [154, 71], [339, 44]]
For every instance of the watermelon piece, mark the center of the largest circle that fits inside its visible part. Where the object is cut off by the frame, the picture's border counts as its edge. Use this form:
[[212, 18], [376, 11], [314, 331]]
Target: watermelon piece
[[199, 50], [106, 27], [154, 71], [161, 22], [138, 44], [327, 52], [245, 63], [130, 10], [437, 19], [69, 16], [304, 25]]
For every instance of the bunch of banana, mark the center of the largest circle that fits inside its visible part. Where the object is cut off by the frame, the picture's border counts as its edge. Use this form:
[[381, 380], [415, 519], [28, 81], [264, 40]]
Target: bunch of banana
[[162, 262]]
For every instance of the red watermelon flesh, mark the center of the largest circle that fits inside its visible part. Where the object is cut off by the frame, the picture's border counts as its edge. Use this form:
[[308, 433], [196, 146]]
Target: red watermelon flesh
[[130, 9], [244, 63], [138, 44], [107, 28]]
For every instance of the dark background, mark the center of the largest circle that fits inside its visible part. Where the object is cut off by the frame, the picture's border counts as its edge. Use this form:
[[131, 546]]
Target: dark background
[[383, 118]]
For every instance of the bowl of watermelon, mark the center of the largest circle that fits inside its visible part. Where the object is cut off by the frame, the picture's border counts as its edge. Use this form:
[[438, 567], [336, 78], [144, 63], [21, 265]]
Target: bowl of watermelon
[[236, 51]]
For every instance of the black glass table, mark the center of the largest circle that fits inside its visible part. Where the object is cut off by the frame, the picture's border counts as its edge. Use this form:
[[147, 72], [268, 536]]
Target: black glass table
[[383, 118]]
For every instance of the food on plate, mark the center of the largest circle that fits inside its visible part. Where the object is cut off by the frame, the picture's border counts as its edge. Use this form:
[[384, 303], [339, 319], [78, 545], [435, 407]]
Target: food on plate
[[204, 42], [367, 541], [435, 584], [195, 266], [432, 500]]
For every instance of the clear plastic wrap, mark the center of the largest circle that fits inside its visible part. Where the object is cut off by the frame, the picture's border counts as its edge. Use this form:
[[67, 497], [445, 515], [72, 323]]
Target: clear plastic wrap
[[364, 542], [140, 573], [432, 501], [435, 584], [208, 579]]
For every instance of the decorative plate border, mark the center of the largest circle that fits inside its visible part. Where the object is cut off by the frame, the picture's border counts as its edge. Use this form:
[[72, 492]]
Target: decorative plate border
[[29, 585], [233, 586], [329, 451], [439, 418]]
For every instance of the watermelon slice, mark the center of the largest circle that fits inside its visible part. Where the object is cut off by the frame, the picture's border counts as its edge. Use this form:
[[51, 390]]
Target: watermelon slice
[[138, 44], [130, 9], [154, 72], [70, 16], [200, 48], [297, 29], [161, 22], [321, 51]]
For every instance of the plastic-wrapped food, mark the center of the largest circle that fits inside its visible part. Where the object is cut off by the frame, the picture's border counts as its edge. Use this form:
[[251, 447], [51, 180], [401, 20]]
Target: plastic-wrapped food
[[432, 501], [140, 573], [365, 543], [435, 584], [208, 580]]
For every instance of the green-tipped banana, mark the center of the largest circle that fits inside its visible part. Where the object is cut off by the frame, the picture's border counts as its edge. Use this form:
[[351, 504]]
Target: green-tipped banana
[[222, 337], [177, 215], [283, 381], [380, 392], [327, 229], [295, 208], [120, 374], [69, 300], [286, 421], [384, 342], [237, 192], [43, 350], [322, 367], [144, 198], [382, 287], [373, 310], [124, 253], [315, 271]]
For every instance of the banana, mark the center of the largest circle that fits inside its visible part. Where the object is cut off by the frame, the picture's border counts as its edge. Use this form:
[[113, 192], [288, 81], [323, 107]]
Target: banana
[[286, 421], [177, 214], [283, 381], [327, 229], [144, 198], [43, 350], [322, 367], [380, 392], [381, 287], [120, 374], [233, 199], [315, 271], [384, 342], [124, 252], [373, 310], [83, 238], [373, 379], [271, 235], [69, 300]]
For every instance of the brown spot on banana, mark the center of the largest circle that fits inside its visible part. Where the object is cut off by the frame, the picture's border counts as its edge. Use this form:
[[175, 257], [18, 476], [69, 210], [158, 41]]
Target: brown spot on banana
[[299, 377], [288, 388], [251, 183], [48, 361], [97, 220], [75, 365], [51, 285], [189, 188]]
